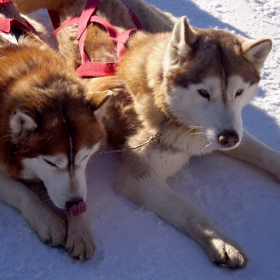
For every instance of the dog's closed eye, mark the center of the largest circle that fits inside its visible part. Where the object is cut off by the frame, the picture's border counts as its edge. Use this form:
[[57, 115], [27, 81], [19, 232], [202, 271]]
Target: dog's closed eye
[[239, 92], [204, 93], [50, 163]]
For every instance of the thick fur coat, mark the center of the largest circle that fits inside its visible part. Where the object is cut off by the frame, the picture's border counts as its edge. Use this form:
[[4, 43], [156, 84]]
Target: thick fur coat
[[186, 88]]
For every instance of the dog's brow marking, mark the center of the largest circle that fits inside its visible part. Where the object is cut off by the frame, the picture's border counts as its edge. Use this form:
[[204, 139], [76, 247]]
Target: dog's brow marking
[[71, 155], [224, 95]]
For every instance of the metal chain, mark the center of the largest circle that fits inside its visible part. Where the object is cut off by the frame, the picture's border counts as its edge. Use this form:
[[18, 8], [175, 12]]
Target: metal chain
[[151, 139]]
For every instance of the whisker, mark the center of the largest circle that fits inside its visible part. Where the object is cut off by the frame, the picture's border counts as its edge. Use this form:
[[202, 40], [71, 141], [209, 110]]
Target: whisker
[[190, 130], [207, 145], [46, 200]]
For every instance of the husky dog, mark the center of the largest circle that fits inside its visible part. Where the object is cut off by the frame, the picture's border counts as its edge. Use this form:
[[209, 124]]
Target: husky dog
[[49, 129], [186, 89]]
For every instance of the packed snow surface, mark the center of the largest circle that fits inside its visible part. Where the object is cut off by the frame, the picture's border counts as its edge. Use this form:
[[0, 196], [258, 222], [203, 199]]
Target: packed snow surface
[[133, 243]]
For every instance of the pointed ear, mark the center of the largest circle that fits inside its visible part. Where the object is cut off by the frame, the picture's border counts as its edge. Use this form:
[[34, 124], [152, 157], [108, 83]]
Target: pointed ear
[[100, 90], [180, 44], [22, 123], [101, 108], [256, 51]]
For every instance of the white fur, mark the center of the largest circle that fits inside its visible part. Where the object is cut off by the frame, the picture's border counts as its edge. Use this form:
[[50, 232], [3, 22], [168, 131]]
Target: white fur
[[215, 115], [54, 171]]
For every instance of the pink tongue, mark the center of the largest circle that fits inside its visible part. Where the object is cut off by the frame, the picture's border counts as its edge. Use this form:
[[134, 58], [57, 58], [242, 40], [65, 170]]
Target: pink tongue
[[76, 210]]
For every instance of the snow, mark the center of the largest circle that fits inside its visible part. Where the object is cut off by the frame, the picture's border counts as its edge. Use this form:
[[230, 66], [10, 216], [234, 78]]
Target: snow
[[133, 243]]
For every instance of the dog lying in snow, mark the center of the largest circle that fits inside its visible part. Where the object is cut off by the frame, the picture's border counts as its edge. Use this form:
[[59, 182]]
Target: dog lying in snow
[[186, 89], [49, 129]]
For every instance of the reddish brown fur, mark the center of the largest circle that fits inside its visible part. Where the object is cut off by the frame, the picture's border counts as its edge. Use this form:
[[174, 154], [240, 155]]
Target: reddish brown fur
[[152, 66], [38, 83]]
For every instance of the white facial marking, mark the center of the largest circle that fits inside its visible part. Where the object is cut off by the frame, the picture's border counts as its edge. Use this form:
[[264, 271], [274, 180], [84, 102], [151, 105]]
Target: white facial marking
[[62, 184], [71, 154], [85, 154], [58, 161], [212, 115]]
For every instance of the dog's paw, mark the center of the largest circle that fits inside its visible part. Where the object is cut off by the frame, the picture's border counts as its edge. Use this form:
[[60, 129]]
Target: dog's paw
[[80, 242], [50, 228], [80, 246], [227, 253], [54, 233]]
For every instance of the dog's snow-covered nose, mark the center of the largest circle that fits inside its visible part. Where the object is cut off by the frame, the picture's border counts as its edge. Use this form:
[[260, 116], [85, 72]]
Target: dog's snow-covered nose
[[228, 138], [75, 207]]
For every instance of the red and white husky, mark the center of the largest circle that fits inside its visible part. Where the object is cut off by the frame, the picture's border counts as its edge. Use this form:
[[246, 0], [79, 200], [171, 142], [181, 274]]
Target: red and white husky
[[49, 129]]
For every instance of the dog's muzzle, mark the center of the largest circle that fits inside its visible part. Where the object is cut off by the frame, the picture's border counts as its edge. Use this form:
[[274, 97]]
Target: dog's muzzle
[[228, 138], [75, 207]]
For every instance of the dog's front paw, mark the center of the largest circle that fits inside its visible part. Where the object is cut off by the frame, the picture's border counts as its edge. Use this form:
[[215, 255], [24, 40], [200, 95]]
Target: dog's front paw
[[50, 228], [80, 243], [227, 253]]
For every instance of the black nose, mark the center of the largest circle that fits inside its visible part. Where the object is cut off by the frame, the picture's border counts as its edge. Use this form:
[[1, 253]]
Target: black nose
[[228, 138], [72, 202]]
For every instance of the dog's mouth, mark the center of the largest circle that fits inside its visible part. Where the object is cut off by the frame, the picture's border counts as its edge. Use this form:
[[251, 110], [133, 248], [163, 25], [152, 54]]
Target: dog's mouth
[[76, 209]]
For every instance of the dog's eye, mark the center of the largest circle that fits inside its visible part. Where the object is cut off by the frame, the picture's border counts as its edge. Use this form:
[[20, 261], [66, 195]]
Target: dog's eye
[[204, 93], [84, 158], [50, 163], [239, 92]]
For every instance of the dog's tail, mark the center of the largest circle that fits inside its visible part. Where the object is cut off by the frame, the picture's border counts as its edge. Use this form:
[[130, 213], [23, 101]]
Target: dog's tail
[[29, 6]]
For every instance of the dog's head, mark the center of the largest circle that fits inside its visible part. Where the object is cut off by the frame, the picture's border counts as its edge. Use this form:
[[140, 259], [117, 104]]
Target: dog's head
[[209, 76], [55, 127]]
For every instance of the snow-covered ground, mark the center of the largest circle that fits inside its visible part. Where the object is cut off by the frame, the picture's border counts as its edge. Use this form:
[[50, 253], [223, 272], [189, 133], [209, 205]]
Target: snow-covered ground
[[132, 243]]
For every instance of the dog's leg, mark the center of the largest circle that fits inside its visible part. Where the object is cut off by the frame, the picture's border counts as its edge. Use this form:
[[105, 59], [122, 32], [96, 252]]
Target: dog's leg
[[80, 242], [137, 182], [50, 228], [257, 153]]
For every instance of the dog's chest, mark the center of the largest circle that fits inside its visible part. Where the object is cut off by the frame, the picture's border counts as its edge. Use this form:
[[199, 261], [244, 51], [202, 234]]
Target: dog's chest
[[174, 150], [189, 141]]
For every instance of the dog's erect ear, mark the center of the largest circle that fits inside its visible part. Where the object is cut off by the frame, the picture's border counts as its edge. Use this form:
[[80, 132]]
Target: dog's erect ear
[[100, 100], [256, 51], [22, 123], [180, 44], [100, 90]]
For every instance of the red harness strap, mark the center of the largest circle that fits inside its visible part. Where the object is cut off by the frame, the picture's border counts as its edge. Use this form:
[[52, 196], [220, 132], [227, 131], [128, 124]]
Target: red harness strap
[[96, 69], [7, 24], [5, 1]]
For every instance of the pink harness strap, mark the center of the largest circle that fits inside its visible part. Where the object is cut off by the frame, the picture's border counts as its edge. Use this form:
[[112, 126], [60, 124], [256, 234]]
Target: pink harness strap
[[96, 69], [4, 89], [7, 24], [5, 1]]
